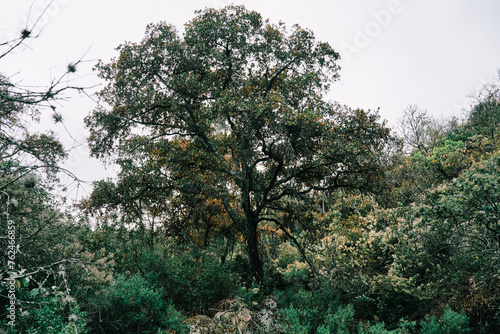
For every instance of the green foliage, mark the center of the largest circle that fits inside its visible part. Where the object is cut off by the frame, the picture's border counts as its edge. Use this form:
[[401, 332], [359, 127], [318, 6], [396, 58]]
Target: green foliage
[[451, 157], [251, 296], [466, 211], [46, 249], [484, 116], [451, 323], [312, 305], [133, 305], [240, 266], [192, 280], [398, 297], [36, 212], [378, 328], [44, 311], [294, 321], [341, 321], [404, 327], [173, 321], [289, 268]]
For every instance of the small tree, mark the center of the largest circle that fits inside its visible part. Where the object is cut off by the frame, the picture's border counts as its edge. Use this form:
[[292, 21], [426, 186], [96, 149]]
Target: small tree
[[418, 129], [40, 243], [484, 116]]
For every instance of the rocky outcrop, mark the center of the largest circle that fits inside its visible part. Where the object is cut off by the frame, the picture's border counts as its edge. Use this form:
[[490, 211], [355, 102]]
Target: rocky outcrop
[[268, 318], [237, 321], [233, 317], [201, 324]]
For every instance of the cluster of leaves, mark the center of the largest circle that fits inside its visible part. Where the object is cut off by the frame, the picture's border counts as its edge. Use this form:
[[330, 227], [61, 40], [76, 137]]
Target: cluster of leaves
[[133, 305], [55, 312], [194, 281]]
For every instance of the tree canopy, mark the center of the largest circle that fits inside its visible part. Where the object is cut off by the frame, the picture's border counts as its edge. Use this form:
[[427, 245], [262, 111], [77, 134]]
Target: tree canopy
[[233, 111]]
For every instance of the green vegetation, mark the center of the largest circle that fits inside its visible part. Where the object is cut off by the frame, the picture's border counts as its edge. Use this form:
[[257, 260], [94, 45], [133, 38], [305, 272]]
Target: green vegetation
[[238, 181]]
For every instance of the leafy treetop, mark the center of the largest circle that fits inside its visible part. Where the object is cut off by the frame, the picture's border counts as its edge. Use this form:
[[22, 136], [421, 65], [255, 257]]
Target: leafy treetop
[[234, 110]]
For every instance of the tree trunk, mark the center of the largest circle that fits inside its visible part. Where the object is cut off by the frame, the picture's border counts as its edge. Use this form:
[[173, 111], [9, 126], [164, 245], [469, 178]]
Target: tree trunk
[[253, 251]]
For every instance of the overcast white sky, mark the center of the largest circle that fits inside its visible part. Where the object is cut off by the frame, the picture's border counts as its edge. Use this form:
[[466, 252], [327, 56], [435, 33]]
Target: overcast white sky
[[394, 52]]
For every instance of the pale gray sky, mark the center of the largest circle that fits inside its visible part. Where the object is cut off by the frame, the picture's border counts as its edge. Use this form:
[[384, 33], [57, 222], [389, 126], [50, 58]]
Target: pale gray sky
[[394, 52]]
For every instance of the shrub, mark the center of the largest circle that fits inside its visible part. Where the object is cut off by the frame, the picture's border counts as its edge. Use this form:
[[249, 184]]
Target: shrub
[[193, 282], [404, 327], [341, 321], [132, 305], [44, 311], [378, 328], [313, 305], [251, 296], [294, 321], [451, 323]]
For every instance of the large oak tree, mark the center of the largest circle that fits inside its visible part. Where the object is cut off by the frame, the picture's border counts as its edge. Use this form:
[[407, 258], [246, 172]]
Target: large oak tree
[[233, 112]]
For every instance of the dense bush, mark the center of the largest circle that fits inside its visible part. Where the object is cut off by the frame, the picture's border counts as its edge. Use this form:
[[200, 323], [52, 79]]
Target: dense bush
[[310, 306], [133, 305], [339, 321], [46, 311], [194, 281], [451, 323]]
